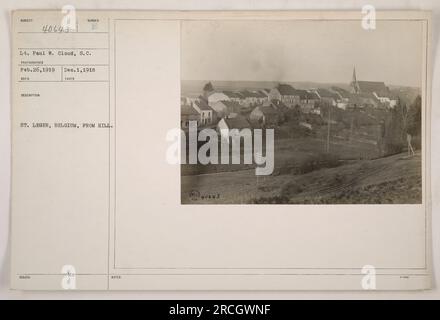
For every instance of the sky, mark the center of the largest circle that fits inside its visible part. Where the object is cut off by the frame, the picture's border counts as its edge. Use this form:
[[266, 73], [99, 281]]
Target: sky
[[289, 51]]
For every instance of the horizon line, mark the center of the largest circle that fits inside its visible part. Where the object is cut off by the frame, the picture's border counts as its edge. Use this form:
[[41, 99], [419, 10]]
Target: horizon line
[[311, 81]]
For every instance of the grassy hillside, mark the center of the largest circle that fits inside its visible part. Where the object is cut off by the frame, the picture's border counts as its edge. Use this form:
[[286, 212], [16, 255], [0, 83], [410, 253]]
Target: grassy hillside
[[393, 179]]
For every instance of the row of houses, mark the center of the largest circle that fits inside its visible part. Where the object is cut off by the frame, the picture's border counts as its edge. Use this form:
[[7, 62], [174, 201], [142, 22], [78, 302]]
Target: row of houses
[[360, 94], [247, 98], [213, 105], [266, 107]]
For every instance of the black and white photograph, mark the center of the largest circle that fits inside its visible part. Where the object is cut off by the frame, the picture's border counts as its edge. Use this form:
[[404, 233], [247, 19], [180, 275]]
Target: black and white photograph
[[342, 103]]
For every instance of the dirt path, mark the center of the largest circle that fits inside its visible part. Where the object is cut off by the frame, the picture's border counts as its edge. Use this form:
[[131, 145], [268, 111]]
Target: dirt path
[[374, 175]]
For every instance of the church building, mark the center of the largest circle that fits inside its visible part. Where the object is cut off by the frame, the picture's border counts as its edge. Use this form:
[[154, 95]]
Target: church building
[[371, 89]]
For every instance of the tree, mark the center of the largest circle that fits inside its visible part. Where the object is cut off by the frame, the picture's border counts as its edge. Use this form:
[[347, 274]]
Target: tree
[[208, 87], [395, 129], [414, 126]]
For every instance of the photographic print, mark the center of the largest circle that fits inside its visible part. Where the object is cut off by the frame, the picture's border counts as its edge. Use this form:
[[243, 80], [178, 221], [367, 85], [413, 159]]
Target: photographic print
[[220, 150], [301, 112]]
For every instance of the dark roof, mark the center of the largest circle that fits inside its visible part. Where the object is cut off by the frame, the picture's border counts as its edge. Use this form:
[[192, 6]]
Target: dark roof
[[252, 94], [312, 95], [202, 104], [324, 93], [371, 86], [286, 90], [362, 98], [246, 94], [260, 94], [344, 93], [268, 110], [231, 94], [238, 122], [302, 94], [188, 110], [232, 105]]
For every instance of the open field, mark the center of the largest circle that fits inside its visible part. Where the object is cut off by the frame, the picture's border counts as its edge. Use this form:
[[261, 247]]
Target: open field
[[394, 179], [293, 152]]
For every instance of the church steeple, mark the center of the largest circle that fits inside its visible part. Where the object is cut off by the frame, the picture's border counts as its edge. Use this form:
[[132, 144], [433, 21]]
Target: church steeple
[[354, 84]]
